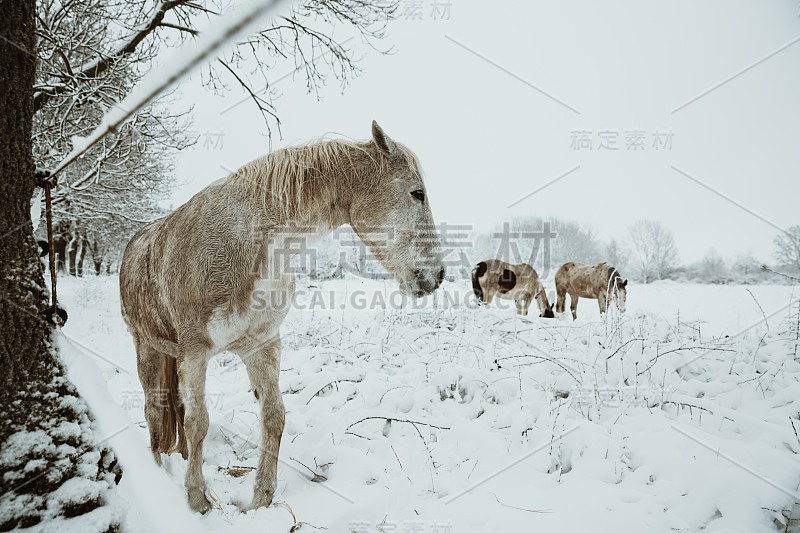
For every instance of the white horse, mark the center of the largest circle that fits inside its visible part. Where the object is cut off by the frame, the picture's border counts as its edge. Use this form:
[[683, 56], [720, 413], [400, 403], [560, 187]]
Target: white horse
[[189, 282]]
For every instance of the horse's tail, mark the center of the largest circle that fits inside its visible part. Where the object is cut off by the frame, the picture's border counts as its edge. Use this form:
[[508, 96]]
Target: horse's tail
[[172, 410], [477, 272]]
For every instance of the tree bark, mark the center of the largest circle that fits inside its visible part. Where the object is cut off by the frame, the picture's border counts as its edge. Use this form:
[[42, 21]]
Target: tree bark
[[81, 256], [60, 246], [72, 253], [47, 434]]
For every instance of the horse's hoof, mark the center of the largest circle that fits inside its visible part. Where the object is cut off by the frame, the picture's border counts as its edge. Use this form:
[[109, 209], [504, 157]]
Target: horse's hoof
[[261, 500], [198, 501]]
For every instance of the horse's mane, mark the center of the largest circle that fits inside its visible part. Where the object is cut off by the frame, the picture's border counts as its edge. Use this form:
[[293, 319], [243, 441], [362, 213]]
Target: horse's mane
[[281, 178], [613, 273]]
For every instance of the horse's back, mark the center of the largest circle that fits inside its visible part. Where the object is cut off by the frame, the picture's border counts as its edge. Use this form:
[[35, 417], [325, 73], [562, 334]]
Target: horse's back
[[526, 279], [529, 278], [576, 278], [524, 269], [566, 267]]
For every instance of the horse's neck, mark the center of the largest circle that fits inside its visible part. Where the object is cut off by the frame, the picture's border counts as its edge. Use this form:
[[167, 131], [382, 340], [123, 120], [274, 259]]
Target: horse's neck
[[541, 299], [323, 208]]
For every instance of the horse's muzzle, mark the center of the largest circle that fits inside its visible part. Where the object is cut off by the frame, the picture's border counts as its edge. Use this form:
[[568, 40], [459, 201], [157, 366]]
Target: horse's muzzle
[[426, 281]]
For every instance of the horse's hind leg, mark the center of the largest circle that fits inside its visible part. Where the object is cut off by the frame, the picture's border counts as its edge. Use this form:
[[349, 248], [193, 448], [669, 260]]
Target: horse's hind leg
[[149, 363], [264, 366], [192, 383]]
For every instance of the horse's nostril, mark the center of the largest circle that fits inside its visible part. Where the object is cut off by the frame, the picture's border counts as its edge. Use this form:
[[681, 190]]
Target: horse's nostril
[[440, 277]]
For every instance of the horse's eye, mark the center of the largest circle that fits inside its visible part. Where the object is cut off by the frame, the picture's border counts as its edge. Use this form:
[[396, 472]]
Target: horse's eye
[[419, 195]]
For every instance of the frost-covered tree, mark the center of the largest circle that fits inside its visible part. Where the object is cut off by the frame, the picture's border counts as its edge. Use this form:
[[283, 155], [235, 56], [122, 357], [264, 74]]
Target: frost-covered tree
[[53, 467], [654, 250], [570, 241], [616, 254], [575, 242], [116, 39], [787, 248], [117, 183], [664, 250], [98, 218], [745, 268], [712, 268], [92, 52]]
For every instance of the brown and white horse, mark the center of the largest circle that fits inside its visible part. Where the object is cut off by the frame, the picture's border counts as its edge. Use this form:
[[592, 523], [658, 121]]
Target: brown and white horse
[[520, 283], [599, 282], [189, 282]]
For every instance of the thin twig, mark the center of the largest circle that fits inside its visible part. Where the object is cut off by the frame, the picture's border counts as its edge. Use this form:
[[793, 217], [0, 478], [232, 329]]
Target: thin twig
[[519, 508], [795, 430], [412, 422], [762, 309], [765, 268], [657, 357], [622, 346]]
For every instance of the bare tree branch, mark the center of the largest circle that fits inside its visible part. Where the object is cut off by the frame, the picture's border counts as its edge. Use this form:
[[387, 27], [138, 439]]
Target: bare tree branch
[[103, 62]]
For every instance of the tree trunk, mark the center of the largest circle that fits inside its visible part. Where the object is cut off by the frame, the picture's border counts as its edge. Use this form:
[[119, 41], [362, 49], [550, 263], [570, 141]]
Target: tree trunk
[[60, 246], [72, 253], [46, 432], [81, 256], [97, 257]]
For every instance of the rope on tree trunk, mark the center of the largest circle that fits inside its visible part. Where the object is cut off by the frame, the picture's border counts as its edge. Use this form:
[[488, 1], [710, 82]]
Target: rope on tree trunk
[[55, 314]]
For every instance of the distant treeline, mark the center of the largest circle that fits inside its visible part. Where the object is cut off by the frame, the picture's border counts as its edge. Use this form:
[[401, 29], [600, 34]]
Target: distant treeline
[[645, 252]]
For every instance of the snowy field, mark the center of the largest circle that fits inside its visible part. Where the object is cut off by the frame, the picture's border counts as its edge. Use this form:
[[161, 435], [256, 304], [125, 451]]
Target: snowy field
[[444, 417]]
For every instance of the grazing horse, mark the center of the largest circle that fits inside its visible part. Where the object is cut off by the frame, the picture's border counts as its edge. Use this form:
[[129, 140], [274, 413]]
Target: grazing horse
[[520, 283], [215, 276], [585, 281]]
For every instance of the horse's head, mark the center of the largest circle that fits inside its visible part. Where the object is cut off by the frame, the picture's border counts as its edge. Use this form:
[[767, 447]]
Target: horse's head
[[620, 293], [477, 273], [545, 306], [392, 216]]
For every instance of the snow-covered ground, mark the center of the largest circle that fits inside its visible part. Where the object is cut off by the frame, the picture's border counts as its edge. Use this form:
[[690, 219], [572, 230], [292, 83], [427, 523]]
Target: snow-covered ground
[[443, 417]]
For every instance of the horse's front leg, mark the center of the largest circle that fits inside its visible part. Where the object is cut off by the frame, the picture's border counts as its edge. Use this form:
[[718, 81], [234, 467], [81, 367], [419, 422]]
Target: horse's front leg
[[488, 296], [192, 384], [561, 298], [526, 303], [601, 301], [263, 367]]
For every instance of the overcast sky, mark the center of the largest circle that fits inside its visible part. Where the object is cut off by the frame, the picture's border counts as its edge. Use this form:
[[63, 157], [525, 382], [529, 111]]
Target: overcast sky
[[554, 77]]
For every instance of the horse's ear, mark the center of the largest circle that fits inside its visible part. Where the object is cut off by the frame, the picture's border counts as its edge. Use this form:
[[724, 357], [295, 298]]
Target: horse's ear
[[625, 283], [384, 142]]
